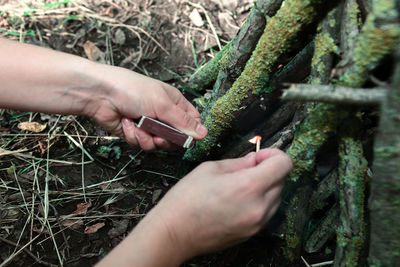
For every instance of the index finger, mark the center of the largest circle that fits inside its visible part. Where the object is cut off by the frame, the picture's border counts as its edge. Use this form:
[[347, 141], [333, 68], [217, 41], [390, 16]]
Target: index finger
[[270, 169]]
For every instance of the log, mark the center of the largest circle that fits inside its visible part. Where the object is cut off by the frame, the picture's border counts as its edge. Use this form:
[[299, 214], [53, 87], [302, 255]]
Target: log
[[324, 119], [238, 50], [351, 232], [276, 39]]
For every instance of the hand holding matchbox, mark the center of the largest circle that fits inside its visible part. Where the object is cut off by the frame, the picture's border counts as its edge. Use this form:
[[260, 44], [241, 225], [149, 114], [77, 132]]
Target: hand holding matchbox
[[165, 131]]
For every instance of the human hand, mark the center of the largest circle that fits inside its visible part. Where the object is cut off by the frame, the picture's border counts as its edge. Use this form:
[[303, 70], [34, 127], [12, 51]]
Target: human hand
[[224, 202], [218, 204], [134, 95]]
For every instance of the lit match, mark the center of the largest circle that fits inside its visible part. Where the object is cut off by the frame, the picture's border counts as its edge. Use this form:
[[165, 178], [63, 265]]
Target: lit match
[[257, 141]]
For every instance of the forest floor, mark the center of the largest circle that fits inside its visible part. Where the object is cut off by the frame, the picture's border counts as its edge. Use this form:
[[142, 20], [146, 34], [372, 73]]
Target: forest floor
[[98, 187]]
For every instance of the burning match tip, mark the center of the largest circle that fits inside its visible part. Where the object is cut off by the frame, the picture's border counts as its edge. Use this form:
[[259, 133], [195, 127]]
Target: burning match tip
[[255, 139]]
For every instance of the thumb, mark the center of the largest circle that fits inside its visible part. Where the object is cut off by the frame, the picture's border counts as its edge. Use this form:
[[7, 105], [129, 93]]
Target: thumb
[[181, 120]]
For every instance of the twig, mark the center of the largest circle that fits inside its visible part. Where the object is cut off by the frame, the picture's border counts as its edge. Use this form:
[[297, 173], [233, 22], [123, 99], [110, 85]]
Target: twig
[[305, 262], [80, 146], [22, 248], [322, 264], [335, 94], [324, 231], [209, 22]]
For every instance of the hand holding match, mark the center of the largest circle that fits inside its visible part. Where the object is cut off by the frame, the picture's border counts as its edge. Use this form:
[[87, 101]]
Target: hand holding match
[[257, 141]]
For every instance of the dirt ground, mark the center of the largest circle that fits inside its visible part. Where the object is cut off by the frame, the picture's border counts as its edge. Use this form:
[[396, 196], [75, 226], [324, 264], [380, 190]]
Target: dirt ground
[[98, 187]]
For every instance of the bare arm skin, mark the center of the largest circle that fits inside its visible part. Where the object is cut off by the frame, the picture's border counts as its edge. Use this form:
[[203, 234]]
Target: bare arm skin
[[217, 205], [38, 79]]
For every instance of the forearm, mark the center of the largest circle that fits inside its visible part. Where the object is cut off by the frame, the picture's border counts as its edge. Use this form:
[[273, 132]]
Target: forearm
[[149, 245], [39, 79]]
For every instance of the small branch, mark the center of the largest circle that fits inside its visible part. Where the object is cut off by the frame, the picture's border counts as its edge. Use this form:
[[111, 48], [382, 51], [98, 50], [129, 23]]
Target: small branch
[[273, 124], [324, 231], [235, 57], [335, 94], [30, 254], [324, 190], [351, 232]]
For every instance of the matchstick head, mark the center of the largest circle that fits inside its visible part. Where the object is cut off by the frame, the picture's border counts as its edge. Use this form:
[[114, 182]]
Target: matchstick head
[[165, 131], [255, 139]]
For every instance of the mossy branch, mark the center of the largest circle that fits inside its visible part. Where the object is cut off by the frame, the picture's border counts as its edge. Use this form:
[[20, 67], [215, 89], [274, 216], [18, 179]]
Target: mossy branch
[[351, 232], [378, 38], [385, 185], [276, 39], [234, 55]]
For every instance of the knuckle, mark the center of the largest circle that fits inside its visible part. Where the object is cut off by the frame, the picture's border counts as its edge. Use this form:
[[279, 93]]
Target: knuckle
[[187, 121]]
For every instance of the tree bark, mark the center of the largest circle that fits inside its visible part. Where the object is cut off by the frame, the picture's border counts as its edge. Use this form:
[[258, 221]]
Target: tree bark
[[384, 201]]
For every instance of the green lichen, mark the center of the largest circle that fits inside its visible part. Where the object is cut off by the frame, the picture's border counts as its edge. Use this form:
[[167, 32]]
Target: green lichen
[[207, 74], [352, 172], [311, 135], [378, 38], [278, 34], [291, 237], [324, 45], [354, 12]]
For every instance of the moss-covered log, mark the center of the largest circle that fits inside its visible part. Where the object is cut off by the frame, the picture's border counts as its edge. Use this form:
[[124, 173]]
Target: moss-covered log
[[326, 116], [351, 232], [378, 38], [384, 202], [320, 70], [276, 39], [231, 59]]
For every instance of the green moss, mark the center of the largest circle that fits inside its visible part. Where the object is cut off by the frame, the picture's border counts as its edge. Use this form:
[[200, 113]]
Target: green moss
[[208, 73], [378, 38], [311, 135], [291, 237], [354, 11], [352, 172], [278, 34]]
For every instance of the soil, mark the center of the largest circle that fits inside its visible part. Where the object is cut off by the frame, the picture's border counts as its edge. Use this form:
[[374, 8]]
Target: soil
[[153, 37]]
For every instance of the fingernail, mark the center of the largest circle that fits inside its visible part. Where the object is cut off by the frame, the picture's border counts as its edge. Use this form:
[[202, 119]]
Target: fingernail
[[127, 123], [201, 130]]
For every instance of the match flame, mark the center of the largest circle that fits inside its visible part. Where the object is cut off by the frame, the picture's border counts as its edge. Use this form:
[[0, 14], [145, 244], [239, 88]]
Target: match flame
[[255, 139]]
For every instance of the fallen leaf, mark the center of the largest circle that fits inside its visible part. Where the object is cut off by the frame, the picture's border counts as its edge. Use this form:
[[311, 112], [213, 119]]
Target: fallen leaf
[[93, 228], [93, 52], [42, 147], [82, 208], [195, 17], [31, 126]]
